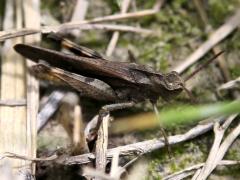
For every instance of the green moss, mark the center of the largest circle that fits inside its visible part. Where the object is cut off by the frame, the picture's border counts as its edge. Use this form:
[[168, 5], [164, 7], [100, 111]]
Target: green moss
[[232, 42], [220, 9], [235, 72], [60, 10], [176, 25], [2, 9], [114, 6], [143, 4], [233, 154], [52, 6], [184, 155]]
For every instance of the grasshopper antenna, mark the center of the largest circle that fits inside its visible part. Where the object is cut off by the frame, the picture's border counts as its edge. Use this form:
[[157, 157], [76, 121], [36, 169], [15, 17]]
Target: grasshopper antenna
[[163, 133], [190, 95], [203, 65]]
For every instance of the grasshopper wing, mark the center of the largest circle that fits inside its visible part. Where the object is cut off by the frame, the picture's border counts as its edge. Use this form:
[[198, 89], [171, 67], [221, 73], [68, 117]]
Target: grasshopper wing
[[88, 87], [77, 64]]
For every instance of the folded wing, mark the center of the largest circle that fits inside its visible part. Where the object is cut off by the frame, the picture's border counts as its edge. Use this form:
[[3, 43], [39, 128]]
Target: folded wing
[[88, 87]]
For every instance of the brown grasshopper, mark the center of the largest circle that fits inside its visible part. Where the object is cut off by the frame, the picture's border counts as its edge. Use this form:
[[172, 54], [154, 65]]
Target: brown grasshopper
[[120, 83]]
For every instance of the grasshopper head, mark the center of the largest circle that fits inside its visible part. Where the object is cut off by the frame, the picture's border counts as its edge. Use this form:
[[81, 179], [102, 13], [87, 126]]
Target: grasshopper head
[[170, 85], [174, 84], [173, 81]]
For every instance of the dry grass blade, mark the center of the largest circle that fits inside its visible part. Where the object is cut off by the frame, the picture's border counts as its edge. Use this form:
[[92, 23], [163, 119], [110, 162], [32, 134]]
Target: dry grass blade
[[49, 108], [79, 13], [115, 171], [218, 150], [45, 30], [231, 84], [217, 36], [15, 33], [87, 24], [113, 42], [13, 129], [17, 156], [79, 140], [13, 103], [190, 170], [19, 129], [91, 173], [101, 144], [221, 61], [32, 17], [111, 27], [125, 4]]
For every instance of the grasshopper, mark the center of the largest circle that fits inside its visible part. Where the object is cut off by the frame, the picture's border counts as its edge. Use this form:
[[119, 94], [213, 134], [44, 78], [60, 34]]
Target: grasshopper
[[122, 84]]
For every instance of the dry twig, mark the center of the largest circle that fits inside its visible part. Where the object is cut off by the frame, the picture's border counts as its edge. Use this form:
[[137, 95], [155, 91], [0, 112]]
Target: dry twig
[[90, 172], [113, 42], [231, 84], [221, 61], [101, 144], [116, 171], [141, 147], [79, 140], [79, 13], [49, 108], [87, 24], [190, 170], [217, 36], [110, 27], [218, 150], [45, 30], [26, 158], [13, 103], [115, 36]]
